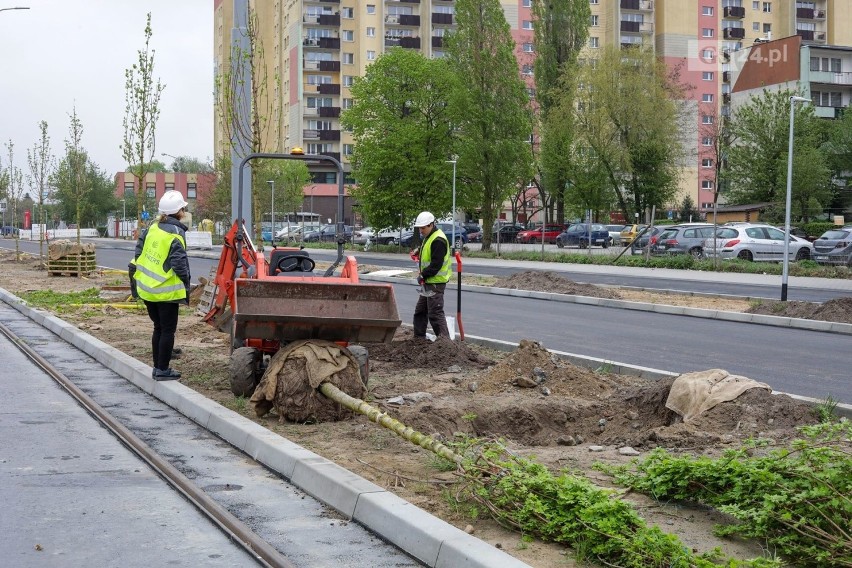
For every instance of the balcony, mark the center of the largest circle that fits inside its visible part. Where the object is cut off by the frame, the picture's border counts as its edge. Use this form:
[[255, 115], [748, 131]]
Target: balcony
[[734, 12], [734, 33], [329, 43], [637, 27], [640, 5], [322, 19], [310, 65], [328, 89], [726, 76], [335, 155], [309, 134], [329, 111], [726, 98], [442, 19], [391, 2], [410, 42], [819, 36], [809, 14], [437, 41], [828, 112], [329, 65], [829, 78], [807, 35]]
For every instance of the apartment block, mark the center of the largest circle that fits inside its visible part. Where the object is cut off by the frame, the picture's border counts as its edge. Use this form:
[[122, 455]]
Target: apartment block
[[314, 50]]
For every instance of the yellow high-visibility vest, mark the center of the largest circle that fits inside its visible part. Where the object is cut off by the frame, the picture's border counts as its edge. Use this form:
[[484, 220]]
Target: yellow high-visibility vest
[[443, 275], [152, 282]]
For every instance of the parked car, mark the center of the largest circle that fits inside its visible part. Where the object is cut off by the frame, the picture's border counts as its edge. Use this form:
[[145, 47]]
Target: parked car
[[390, 236], [472, 228], [505, 233], [646, 237], [328, 233], [475, 237], [615, 233], [834, 247], [629, 232], [578, 235], [361, 236], [533, 236], [683, 239], [753, 242]]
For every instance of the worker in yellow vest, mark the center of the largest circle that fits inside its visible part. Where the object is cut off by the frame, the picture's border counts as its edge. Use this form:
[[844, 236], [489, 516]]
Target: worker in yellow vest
[[159, 274], [434, 260]]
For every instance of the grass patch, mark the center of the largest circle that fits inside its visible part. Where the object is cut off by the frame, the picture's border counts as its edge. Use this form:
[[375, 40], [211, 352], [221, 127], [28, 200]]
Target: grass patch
[[48, 299]]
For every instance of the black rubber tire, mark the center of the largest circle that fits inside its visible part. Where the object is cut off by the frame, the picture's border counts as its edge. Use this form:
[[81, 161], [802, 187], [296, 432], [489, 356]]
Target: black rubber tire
[[559, 243], [746, 255], [605, 244], [533, 240], [697, 253], [803, 254], [243, 370]]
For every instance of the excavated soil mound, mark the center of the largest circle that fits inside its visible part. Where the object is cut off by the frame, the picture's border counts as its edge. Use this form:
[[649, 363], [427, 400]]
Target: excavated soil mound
[[553, 282], [407, 351], [534, 398], [836, 310]]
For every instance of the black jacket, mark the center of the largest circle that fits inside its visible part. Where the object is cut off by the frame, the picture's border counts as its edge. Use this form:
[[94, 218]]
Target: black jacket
[[177, 259]]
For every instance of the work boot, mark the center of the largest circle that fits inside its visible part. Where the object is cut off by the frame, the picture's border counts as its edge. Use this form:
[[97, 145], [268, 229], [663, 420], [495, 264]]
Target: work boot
[[167, 375]]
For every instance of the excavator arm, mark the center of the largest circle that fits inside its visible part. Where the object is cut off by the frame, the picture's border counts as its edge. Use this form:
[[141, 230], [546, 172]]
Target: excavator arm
[[238, 254]]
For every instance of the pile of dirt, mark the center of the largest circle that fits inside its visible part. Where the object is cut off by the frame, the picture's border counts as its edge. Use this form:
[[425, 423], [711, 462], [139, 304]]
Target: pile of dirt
[[555, 283], [837, 310], [407, 351]]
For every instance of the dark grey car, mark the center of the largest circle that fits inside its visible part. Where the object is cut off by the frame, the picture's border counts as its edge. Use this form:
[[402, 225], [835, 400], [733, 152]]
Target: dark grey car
[[683, 239], [834, 247]]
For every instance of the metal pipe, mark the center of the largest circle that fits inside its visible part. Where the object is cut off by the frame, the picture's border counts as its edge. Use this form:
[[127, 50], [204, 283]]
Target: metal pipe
[[786, 264]]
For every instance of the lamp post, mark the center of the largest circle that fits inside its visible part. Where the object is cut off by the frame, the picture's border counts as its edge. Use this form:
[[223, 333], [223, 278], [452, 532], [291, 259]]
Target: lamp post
[[786, 265], [123, 215], [272, 184], [170, 156], [453, 162]]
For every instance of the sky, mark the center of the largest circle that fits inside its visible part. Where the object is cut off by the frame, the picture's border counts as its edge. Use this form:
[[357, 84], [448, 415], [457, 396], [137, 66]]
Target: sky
[[62, 53]]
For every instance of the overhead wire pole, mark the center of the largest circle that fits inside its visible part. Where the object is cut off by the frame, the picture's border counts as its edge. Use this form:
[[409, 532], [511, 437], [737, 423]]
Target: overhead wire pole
[[786, 265], [240, 145]]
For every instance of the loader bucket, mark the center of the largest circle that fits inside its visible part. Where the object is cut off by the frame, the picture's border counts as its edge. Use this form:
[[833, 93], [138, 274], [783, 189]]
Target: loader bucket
[[290, 309]]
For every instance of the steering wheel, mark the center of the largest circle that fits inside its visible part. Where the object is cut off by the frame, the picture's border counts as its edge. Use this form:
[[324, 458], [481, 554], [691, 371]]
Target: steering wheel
[[295, 264]]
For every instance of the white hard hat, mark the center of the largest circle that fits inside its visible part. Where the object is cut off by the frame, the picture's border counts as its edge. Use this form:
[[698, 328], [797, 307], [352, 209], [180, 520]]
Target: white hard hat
[[424, 219], [171, 202]]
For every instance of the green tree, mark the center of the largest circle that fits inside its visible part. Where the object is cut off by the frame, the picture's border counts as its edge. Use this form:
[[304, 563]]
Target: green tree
[[290, 177], [561, 31], [402, 130], [810, 189], [14, 182], [86, 195], [142, 98], [757, 162], [41, 162], [628, 113], [838, 153], [491, 109], [215, 202], [154, 166], [190, 165], [688, 212]]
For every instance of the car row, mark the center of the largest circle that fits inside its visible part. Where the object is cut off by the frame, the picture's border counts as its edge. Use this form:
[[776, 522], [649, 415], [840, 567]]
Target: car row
[[755, 242], [581, 234], [834, 247]]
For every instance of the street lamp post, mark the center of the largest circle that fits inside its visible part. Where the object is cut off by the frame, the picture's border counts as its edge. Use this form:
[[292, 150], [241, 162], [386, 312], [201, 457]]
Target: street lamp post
[[123, 215], [786, 265], [272, 184], [170, 156], [453, 162]]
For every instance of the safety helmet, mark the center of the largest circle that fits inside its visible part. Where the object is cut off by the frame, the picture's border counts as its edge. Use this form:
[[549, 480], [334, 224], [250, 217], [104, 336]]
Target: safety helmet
[[171, 202], [424, 219]]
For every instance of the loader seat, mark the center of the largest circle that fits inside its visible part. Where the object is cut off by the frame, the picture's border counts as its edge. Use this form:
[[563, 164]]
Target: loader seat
[[288, 261]]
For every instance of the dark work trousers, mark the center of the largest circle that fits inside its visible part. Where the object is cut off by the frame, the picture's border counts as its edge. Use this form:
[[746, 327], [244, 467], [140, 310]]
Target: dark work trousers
[[165, 318], [431, 310]]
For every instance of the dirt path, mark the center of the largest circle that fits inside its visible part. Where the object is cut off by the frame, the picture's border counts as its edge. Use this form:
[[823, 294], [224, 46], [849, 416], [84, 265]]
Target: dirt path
[[541, 405]]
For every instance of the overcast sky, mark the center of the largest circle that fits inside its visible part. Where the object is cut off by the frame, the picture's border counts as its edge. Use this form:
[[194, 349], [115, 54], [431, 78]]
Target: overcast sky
[[65, 52]]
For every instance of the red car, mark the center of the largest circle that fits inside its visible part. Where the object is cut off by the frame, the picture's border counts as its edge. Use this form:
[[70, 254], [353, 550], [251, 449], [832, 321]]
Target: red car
[[533, 236]]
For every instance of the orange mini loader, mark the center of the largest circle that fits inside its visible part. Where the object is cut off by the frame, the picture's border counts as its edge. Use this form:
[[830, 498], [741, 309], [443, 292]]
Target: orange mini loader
[[264, 304]]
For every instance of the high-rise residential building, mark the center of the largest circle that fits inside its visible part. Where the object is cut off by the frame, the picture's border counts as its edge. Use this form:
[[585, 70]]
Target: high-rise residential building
[[316, 48]]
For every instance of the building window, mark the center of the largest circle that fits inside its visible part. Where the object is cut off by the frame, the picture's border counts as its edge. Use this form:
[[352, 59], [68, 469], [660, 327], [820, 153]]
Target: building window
[[324, 177], [707, 75], [527, 24], [594, 20], [707, 184], [371, 8], [527, 3], [708, 55], [348, 35], [151, 189], [371, 31], [755, 5], [527, 69], [707, 10], [594, 42], [707, 141], [170, 186], [347, 103], [371, 55], [707, 119], [347, 13], [347, 149], [767, 7], [528, 48], [317, 102], [593, 1], [707, 98], [191, 191], [767, 28], [129, 187], [835, 65], [706, 32], [348, 58], [755, 26], [530, 92], [348, 80], [707, 163]]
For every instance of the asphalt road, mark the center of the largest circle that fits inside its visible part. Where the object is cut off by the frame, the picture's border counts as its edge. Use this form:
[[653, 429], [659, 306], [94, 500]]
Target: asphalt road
[[807, 363]]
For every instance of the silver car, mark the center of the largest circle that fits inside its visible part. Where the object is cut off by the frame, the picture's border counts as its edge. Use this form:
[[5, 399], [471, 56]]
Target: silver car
[[753, 242], [683, 239]]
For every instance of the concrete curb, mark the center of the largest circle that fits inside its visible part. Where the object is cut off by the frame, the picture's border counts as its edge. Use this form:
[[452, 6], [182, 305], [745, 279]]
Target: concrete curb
[[427, 538], [759, 319]]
